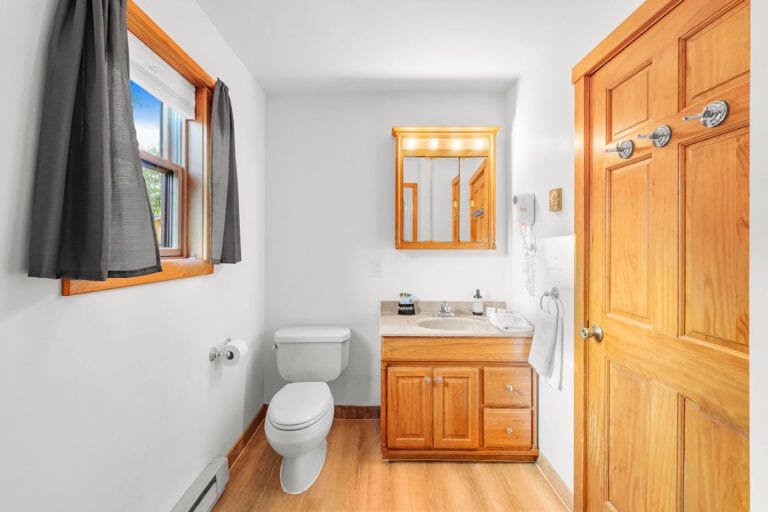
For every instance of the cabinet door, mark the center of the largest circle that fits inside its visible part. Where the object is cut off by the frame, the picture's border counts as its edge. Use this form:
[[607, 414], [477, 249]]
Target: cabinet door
[[409, 407], [457, 407]]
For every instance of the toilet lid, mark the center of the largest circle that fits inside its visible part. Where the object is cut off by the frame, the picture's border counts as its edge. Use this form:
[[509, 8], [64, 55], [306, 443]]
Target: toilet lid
[[299, 405]]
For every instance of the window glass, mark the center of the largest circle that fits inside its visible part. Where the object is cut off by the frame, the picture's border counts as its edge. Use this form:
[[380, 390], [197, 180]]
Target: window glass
[[148, 120], [160, 134], [174, 128]]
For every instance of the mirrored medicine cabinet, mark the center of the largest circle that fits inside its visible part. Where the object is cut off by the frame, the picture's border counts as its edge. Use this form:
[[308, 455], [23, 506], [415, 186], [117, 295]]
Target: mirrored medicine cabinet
[[445, 187]]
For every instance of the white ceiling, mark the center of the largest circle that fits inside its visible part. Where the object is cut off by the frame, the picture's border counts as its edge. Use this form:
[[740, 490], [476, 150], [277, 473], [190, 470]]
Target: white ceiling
[[372, 45]]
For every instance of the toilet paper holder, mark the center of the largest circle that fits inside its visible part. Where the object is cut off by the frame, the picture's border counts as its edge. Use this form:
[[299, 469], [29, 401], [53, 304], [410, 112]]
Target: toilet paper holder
[[223, 353]]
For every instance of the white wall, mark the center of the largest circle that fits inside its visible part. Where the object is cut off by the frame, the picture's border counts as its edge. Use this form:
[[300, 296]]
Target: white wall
[[322, 251], [540, 106], [108, 400], [758, 285]]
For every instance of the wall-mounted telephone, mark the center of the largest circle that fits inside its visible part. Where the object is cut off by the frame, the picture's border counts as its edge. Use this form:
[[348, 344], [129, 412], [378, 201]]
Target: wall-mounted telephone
[[525, 206]]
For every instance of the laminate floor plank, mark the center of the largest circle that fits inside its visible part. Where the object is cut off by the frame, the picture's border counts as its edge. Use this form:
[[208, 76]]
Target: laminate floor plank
[[355, 478]]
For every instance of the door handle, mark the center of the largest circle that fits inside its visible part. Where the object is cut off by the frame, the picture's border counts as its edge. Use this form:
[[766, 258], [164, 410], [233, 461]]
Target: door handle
[[660, 136], [624, 148], [712, 115], [592, 332]]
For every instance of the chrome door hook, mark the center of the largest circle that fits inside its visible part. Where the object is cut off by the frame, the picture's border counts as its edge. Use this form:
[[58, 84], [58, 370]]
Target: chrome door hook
[[712, 115], [660, 136], [624, 149]]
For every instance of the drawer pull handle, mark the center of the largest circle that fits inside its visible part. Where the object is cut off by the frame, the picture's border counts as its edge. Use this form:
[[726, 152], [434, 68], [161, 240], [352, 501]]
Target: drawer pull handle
[[509, 430], [510, 387]]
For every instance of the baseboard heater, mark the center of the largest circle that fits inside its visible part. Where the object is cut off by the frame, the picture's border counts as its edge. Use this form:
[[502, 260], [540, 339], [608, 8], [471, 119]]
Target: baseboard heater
[[204, 492]]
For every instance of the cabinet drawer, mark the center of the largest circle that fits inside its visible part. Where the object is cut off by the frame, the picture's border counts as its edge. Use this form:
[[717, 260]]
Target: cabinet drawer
[[507, 428], [508, 386]]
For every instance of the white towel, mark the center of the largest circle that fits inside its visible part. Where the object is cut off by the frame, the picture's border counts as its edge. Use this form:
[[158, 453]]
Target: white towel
[[546, 355], [555, 375]]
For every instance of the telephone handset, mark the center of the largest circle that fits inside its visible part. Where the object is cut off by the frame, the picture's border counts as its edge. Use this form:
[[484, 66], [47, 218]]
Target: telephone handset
[[525, 207]]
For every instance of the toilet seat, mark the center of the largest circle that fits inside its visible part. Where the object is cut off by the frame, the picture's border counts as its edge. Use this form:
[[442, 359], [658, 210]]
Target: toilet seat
[[299, 405]]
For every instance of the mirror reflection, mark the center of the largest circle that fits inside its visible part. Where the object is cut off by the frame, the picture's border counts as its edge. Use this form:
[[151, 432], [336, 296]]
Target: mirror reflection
[[444, 199]]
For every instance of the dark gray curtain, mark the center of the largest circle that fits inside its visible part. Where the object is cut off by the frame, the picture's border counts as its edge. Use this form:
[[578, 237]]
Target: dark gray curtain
[[225, 209], [91, 217]]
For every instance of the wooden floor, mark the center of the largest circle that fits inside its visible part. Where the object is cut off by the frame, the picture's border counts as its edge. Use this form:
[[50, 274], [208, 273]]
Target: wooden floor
[[355, 478]]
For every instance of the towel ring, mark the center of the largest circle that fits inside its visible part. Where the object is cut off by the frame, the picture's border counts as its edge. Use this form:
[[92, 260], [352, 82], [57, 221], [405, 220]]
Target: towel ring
[[554, 296]]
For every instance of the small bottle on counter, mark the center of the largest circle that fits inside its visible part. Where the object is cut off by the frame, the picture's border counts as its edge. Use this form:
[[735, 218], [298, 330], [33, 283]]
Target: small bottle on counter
[[477, 304]]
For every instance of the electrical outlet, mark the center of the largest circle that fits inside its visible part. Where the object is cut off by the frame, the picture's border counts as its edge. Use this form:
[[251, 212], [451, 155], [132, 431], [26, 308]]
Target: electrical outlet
[[554, 262]]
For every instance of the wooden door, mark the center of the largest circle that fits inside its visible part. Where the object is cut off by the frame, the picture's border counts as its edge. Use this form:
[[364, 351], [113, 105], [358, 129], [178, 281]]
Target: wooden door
[[457, 410], [478, 224], [455, 207], [409, 407], [667, 421], [411, 208]]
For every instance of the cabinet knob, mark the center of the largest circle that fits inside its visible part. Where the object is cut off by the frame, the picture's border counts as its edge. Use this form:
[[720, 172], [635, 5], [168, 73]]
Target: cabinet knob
[[439, 380], [427, 380], [510, 387], [509, 430]]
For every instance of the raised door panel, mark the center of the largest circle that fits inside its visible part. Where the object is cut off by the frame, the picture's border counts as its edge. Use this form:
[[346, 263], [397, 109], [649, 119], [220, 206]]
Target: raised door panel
[[715, 176], [457, 408], [628, 102], [627, 239], [409, 407], [507, 387], [641, 447], [716, 459], [714, 56]]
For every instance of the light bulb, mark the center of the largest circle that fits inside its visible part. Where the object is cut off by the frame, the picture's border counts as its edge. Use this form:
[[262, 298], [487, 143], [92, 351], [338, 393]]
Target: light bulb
[[434, 143]]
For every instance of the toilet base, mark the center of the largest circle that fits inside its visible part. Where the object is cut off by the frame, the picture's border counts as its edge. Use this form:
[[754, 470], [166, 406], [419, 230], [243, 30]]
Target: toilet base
[[297, 474]]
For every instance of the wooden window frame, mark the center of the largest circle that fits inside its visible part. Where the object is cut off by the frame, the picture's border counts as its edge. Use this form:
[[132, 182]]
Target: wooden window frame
[[182, 248], [179, 266]]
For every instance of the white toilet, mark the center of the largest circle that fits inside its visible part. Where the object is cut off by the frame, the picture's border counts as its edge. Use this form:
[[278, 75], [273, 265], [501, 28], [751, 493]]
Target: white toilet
[[299, 416]]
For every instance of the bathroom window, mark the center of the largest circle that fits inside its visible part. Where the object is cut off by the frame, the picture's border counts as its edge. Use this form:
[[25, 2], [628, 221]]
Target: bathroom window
[[171, 96], [160, 133]]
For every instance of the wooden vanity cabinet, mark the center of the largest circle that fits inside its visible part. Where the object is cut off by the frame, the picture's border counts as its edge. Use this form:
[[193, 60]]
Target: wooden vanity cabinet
[[437, 403]]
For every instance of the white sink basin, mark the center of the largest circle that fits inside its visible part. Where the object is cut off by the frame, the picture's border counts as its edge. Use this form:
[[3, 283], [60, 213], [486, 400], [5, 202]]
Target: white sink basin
[[451, 323]]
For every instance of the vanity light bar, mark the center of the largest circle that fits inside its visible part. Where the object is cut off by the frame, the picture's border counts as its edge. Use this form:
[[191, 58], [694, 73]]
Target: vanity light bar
[[445, 143]]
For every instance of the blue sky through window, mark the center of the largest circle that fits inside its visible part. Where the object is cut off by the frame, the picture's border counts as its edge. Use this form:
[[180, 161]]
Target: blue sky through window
[[147, 118]]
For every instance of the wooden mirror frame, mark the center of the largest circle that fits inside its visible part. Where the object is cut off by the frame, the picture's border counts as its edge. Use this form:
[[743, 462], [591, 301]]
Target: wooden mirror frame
[[445, 135]]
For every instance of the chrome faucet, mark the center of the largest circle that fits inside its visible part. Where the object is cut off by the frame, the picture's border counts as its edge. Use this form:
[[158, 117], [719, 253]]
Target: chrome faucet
[[445, 310]]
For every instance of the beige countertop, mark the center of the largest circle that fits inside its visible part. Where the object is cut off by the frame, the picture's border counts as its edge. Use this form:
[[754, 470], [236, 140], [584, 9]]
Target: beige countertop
[[392, 324]]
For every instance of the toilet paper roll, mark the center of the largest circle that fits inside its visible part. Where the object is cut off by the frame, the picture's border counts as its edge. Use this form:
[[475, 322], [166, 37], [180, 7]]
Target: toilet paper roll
[[233, 351]]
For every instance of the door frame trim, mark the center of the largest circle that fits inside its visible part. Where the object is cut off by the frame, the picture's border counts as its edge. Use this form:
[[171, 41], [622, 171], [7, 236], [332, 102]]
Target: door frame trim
[[622, 36], [643, 18]]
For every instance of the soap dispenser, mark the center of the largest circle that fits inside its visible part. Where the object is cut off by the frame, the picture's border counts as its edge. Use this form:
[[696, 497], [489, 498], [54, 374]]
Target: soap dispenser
[[477, 304]]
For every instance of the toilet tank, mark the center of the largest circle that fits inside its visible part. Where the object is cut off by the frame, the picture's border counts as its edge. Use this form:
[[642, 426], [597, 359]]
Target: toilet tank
[[312, 353]]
